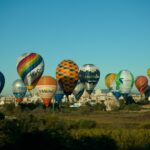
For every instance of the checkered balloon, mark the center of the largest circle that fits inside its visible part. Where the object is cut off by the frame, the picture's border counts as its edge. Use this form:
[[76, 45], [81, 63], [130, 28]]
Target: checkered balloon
[[67, 75]]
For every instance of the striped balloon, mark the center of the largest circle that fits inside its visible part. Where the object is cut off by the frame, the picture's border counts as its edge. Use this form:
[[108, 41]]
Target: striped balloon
[[30, 67], [67, 75]]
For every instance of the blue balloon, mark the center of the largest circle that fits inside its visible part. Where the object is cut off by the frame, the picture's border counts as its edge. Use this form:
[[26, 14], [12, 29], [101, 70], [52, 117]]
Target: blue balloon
[[59, 93], [19, 89], [2, 81], [117, 94]]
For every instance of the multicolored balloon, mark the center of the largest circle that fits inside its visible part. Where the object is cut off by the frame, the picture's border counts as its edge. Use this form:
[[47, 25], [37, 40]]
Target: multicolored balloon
[[46, 87], [89, 75], [141, 83], [2, 81], [59, 93], [109, 79], [67, 75], [115, 91], [30, 67], [19, 90], [78, 91], [124, 82]]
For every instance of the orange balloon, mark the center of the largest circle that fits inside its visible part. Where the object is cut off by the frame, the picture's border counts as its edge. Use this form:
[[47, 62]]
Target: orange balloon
[[141, 83], [46, 86]]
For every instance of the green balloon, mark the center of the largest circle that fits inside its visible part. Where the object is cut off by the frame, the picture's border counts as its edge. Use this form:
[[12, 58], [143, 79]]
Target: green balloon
[[124, 81]]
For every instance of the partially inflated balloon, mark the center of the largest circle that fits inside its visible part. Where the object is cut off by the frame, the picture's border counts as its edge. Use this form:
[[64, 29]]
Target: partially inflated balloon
[[78, 91], [109, 79], [89, 75], [148, 72], [2, 81], [46, 87], [141, 83], [67, 75], [19, 90], [114, 90], [59, 93], [124, 81], [30, 67]]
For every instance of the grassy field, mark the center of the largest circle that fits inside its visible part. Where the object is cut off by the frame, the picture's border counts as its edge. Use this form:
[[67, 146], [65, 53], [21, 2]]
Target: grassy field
[[77, 128]]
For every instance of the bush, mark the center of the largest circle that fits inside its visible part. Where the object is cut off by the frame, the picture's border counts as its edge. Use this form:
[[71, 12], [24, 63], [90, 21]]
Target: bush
[[86, 124], [2, 116], [134, 107], [9, 107], [100, 107]]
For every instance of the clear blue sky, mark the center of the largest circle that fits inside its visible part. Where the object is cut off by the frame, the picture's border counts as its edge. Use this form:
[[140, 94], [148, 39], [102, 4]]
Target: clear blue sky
[[112, 34]]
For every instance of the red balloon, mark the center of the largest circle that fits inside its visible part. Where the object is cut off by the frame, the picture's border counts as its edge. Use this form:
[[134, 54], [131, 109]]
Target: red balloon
[[141, 83]]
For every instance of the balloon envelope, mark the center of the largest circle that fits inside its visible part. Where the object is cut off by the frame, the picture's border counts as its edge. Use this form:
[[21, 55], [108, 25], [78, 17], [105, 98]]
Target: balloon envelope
[[148, 72], [67, 75], [114, 90], [124, 81], [30, 67], [109, 78], [78, 91], [2, 81], [89, 75], [59, 93], [141, 83], [46, 87], [19, 89]]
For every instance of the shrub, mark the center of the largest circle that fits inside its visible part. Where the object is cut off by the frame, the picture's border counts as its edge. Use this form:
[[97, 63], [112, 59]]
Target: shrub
[[134, 107], [2, 116], [86, 124], [9, 107]]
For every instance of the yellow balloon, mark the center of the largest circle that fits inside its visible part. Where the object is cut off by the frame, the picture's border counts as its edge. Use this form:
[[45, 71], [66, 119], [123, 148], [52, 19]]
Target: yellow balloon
[[148, 72], [109, 78]]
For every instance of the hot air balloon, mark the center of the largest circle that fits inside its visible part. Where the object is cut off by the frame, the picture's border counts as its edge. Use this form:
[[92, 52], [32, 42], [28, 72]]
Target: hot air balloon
[[46, 87], [141, 83], [19, 90], [89, 75], [59, 93], [115, 91], [148, 72], [30, 67], [78, 91], [67, 76], [124, 82], [109, 78], [2, 81]]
